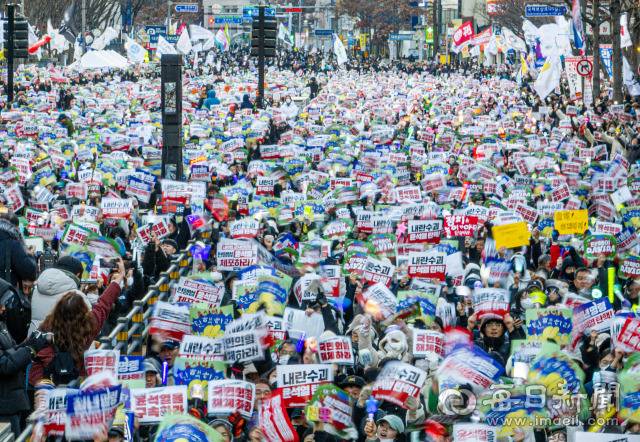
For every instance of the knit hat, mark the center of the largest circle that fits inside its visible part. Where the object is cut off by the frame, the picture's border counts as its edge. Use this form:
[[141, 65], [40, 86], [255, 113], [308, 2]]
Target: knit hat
[[70, 264]]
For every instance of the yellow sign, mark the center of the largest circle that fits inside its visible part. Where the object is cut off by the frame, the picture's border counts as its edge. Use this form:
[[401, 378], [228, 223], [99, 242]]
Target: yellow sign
[[511, 235], [363, 41], [428, 35], [444, 59], [568, 222]]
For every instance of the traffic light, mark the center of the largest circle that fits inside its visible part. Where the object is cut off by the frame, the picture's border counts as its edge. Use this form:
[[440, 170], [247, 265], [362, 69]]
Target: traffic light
[[16, 36], [263, 35], [20, 37]]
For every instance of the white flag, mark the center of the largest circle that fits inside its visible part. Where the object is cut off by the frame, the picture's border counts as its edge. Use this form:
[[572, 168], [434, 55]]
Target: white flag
[[135, 52], [164, 47], [625, 35], [209, 43], [184, 43], [633, 86], [548, 77], [199, 33], [105, 38], [339, 50], [58, 42], [33, 38], [283, 34], [209, 60], [512, 41]]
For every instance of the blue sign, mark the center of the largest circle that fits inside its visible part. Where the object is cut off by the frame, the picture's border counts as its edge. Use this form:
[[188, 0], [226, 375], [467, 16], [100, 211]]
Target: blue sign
[[254, 12], [323, 32], [544, 10], [230, 19], [154, 31], [400, 37], [606, 54], [187, 7]]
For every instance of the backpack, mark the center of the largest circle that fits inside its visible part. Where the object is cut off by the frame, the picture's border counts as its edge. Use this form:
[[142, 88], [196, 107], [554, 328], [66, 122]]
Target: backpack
[[62, 368], [18, 311]]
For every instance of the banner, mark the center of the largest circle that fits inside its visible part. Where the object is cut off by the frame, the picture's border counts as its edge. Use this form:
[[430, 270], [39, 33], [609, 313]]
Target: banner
[[595, 315], [511, 235], [170, 322], [299, 382], [469, 365], [243, 347], [490, 301], [463, 34], [398, 381], [131, 371], [117, 208], [201, 348], [336, 350], [228, 396], [596, 245], [570, 222]]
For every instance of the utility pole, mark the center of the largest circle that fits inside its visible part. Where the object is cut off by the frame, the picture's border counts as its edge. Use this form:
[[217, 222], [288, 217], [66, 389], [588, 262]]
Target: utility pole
[[436, 28], [84, 25], [171, 104], [16, 37], [263, 44]]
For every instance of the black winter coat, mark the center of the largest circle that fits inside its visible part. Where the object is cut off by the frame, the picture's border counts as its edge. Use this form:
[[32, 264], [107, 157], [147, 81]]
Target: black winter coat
[[22, 265], [13, 362]]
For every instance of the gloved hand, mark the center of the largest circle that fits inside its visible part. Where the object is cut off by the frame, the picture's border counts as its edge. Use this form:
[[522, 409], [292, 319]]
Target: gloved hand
[[38, 340]]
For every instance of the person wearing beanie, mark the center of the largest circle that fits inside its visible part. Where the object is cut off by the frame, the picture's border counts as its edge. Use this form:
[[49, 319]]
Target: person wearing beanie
[[51, 285]]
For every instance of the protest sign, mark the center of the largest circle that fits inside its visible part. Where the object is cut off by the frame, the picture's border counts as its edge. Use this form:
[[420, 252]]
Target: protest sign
[[551, 323], [274, 420], [243, 346], [490, 302], [234, 255], [201, 348], [468, 432], [511, 235], [427, 231], [244, 229], [131, 371], [596, 245], [468, 365], [169, 321], [428, 265], [332, 406], [595, 315], [460, 225], [568, 222], [97, 361], [116, 208], [379, 301], [228, 396], [209, 320], [89, 411], [427, 343], [191, 291], [175, 427], [628, 338], [376, 271], [398, 381], [151, 404], [299, 382], [337, 350]]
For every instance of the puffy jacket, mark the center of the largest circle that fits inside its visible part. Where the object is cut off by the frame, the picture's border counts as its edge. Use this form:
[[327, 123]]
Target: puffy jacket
[[22, 265], [100, 313], [49, 288], [13, 362]]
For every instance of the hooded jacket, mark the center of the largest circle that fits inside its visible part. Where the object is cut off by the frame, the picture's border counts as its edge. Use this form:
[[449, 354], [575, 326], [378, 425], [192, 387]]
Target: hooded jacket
[[22, 266], [211, 100], [49, 288]]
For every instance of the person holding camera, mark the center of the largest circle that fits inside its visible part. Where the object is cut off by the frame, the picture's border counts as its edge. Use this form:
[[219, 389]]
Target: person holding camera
[[14, 360]]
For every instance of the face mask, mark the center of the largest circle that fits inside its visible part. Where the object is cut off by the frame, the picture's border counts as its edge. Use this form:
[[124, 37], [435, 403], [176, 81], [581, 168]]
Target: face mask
[[604, 367], [386, 440], [129, 281], [526, 303]]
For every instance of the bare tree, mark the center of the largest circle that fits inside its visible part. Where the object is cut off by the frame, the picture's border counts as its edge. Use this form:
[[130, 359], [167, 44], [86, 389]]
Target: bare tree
[[100, 13]]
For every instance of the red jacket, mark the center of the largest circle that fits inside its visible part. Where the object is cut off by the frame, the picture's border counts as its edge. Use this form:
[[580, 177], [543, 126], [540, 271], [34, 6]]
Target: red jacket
[[100, 313]]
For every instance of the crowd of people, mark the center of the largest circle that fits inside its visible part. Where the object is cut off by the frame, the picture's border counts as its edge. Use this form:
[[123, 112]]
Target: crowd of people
[[420, 253]]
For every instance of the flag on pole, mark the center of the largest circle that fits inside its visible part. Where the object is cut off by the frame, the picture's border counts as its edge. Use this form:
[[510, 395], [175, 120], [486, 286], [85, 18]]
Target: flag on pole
[[135, 52], [184, 43], [164, 47], [221, 40], [284, 34], [548, 77], [578, 29], [339, 50]]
